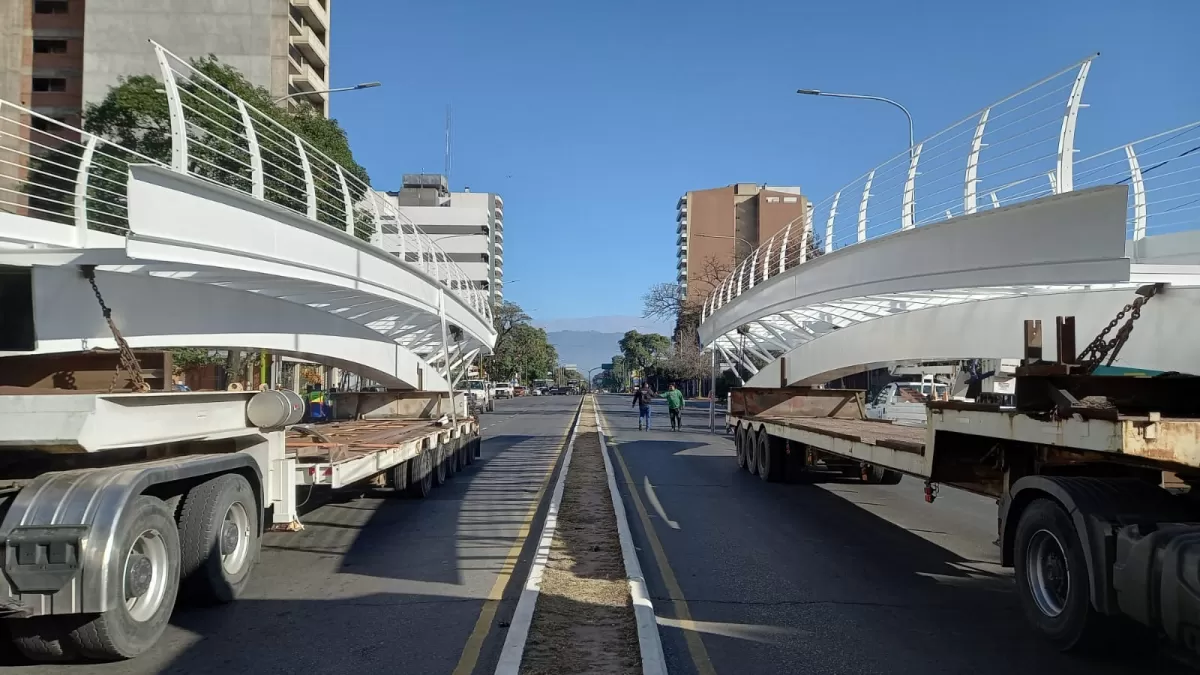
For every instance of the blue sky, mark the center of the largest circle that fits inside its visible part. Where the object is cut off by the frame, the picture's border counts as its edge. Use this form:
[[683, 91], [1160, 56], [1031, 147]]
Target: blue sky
[[592, 118]]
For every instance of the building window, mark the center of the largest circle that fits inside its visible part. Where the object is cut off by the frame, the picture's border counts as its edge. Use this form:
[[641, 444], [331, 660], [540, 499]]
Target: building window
[[772, 200], [43, 124], [50, 7], [49, 84], [789, 200], [49, 46]]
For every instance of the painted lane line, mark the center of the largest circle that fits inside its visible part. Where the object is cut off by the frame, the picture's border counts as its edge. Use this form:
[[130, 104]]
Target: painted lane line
[[649, 640], [691, 633], [473, 647], [658, 507], [518, 630]]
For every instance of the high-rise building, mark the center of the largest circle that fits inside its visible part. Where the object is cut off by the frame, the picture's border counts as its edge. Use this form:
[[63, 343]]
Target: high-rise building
[[56, 56], [719, 227], [468, 226]]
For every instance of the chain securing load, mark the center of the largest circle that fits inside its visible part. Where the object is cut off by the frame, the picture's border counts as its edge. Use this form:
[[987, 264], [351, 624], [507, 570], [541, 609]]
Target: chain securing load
[[1098, 349], [127, 360]]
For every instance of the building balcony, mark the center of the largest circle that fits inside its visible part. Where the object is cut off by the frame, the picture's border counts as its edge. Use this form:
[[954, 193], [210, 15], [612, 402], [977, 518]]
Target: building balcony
[[311, 46], [682, 213], [681, 240], [682, 202], [499, 245], [499, 236], [314, 12], [308, 80], [499, 211], [682, 264], [499, 201]]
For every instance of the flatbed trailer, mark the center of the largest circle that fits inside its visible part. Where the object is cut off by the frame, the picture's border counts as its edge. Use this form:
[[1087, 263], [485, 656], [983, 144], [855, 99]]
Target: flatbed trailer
[[1095, 480], [113, 505]]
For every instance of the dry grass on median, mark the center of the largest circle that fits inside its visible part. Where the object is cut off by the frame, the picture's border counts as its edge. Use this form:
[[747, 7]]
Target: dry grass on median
[[583, 621]]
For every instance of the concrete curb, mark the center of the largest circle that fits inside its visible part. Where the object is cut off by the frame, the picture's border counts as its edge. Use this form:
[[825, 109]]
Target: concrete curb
[[518, 629], [649, 640]]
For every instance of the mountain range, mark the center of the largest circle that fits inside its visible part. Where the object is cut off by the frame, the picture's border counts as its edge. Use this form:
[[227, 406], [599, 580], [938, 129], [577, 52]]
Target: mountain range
[[589, 342]]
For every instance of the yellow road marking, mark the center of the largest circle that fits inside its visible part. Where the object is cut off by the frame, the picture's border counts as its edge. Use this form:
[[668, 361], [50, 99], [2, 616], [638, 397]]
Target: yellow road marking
[[487, 614], [683, 615]]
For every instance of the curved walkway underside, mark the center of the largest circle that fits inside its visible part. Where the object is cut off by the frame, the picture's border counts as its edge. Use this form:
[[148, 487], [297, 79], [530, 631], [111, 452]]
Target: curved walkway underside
[[959, 289], [206, 266]]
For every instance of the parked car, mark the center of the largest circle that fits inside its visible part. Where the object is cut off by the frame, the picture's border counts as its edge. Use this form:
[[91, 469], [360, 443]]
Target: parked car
[[520, 390], [502, 390]]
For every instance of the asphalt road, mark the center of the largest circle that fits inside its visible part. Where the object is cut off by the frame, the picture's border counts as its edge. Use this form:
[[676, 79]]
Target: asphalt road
[[379, 584], [838, 577]]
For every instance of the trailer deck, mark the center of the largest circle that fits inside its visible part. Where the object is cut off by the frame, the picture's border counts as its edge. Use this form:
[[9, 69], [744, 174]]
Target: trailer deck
[[342, 453], [879, 433]]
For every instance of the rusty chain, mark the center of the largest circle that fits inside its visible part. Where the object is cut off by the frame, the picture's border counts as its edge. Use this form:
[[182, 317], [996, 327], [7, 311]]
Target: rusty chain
[[1098, 349], [127, 361]]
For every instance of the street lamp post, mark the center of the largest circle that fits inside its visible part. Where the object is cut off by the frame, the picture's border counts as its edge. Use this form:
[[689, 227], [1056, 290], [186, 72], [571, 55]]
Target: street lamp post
[[911, 140], [361, 85]]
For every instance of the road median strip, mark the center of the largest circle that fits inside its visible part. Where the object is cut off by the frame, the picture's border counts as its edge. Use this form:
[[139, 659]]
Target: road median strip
[[578, 607]]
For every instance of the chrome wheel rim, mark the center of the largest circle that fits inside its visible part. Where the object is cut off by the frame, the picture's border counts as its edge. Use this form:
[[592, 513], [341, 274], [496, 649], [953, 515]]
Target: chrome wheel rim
[[235, 539], [1047, 572], [145, 575]]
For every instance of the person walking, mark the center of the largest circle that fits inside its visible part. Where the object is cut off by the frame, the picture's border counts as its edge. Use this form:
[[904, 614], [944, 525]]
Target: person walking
[[674, 406], [642, 398]]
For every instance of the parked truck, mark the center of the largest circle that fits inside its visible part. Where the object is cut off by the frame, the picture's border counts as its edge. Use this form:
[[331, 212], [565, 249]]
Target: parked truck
[[113, 505], [1095, 478]]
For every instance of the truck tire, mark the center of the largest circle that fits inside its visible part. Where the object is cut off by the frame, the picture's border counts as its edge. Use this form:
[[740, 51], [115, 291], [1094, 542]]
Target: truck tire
[[739, 444], [439, 465], [749, 442], [877, 475], [398, 477], [420, 474], [770, 457], [471, 446], [219, 539], [146, 565], [453, 456], [1052, 578], [42, 638]]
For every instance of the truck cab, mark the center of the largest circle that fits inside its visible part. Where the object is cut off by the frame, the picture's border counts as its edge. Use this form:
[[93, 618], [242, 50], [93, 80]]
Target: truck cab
[[904, 402]]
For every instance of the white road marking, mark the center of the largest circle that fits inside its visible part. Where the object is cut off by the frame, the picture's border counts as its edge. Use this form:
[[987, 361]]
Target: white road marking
[[658, 507]]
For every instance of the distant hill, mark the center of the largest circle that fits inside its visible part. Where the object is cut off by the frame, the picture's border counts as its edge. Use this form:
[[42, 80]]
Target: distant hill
[[586, 349]]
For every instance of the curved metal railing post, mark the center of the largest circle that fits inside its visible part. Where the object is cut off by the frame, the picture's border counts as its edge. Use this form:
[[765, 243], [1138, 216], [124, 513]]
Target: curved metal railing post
[[862, 207], [1066, 138], [971, 180], [81, 190], [908, 217], [829, 223], [256, 167], [1139, 194], [310, 185], [179, 137], [347, 203]]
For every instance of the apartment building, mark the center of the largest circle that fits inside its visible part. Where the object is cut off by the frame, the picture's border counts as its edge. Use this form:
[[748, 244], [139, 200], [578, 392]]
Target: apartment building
[[56, 56], [718, 227], [468, 226]]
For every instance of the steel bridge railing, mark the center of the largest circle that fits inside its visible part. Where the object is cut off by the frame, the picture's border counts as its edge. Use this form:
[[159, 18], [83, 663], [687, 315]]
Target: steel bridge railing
[[53, 171], [1016, 149]]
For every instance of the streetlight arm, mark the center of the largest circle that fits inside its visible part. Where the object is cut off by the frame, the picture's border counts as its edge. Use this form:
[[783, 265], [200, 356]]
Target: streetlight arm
[[817, 92], [363, 85]]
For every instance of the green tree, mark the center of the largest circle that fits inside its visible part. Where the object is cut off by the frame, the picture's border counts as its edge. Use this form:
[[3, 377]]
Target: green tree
[[643, 350]]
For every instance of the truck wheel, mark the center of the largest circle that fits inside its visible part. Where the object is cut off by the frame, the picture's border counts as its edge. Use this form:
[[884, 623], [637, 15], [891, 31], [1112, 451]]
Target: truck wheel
[[1052, 578], [218, 539], [452, 457], [877, 475], [749, 442], [739, 444], [439, 465], [142, 584], [42, 638], [398, 477], [473, 449], [770, 457], [420, 474]]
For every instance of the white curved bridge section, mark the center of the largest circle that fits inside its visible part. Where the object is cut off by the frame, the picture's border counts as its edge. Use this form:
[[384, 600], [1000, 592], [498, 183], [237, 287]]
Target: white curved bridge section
[[962, 288], [246, 237], [991, 221]]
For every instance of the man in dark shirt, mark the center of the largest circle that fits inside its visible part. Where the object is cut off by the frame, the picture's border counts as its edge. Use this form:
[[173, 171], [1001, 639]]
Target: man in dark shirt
[[642, 398]]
